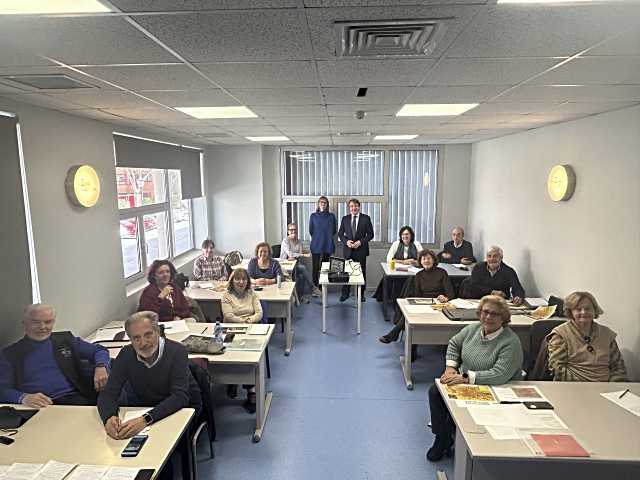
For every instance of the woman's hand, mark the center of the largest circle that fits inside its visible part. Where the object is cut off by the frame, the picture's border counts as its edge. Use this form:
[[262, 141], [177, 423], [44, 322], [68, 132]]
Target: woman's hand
[[165, 292], [456, 379], [442, 299], [100, 377], [259, 281], [449, 372]]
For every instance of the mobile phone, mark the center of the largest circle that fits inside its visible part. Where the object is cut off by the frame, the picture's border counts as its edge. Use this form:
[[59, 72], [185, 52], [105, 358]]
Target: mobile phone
[[538, 405], [257, 289], [6, 440], [133, 447], [228, 338]]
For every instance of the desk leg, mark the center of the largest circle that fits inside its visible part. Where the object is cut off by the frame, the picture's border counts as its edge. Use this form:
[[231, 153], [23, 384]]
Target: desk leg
[[359, 300], [263, 400], [405, 361], [462, 462], [385, 296], [324, 309], [288, 330]]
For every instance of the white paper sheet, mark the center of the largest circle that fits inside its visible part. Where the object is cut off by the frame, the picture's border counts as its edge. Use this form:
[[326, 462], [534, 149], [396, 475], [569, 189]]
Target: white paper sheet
[[135, 413], [53, 470], [413, 269], [461, 303], [203, 285], [176, 326], [419, 309], [3, 469], [536, 301], [258, 329], [519, 394], [458, 265], [107, 334], [630, 401], [22, 471], [121, 473], [88, 472], [515, 416], [503, 433]]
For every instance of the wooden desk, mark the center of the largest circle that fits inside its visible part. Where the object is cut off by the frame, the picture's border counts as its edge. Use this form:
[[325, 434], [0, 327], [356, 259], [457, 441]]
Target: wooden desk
[[232, 367], [76, 435], [279, 299], [609, 432], [387, 273], [355, 279], [436, 329]]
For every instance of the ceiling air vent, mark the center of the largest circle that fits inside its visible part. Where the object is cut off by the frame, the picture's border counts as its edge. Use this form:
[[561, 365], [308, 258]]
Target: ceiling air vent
[[56, 81], [388, 38]]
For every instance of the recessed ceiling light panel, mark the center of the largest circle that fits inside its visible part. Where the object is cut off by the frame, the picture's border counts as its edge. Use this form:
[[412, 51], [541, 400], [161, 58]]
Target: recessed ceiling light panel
[[268, 139], [395, 137], [218, 112], [35, 7], [434, 109]]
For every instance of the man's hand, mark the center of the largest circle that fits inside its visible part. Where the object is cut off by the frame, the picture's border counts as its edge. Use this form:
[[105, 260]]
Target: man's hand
[[36, 400], [466, 261], [165, 292], [112, 427], [100, 377], [516, 300], [350, 243], [446, 255], [357, 244], [499, 293], [132, 427]]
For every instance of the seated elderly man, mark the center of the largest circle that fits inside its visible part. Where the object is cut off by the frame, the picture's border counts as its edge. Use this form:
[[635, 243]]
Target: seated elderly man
[[457, 250], [45, 368], [156, 369], [494, 277]]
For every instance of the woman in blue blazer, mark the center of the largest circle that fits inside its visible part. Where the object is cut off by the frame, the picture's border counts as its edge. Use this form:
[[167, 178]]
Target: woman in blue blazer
[[322, 227]]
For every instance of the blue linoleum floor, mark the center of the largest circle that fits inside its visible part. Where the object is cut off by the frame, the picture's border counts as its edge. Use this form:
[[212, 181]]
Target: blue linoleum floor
[[340, 408]]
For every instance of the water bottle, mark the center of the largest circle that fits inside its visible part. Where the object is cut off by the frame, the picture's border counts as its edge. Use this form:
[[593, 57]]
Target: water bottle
[[217, 332], [279, 280], [392, 264]]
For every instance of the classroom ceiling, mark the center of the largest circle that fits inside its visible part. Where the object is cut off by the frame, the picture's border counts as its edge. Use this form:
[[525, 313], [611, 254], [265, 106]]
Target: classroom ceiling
[[526, 65]]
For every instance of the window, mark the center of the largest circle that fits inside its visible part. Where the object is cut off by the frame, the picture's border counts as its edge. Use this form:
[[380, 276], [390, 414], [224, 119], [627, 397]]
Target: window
[[155, 222], [395, 188]]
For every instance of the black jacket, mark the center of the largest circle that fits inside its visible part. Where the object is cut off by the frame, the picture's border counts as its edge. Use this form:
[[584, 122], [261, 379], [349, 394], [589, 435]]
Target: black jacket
[[506, 280], [364, 233]]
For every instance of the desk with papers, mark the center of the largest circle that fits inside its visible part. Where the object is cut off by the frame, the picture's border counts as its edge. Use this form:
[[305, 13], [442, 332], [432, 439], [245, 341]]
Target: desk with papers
[[425, 326], [75, 435], [287, 266], [243, 361], [279, 300], [356, 279], [609, 433]]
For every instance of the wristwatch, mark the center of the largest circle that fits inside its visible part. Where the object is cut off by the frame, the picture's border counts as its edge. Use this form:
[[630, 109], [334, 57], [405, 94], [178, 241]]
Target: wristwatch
[[465, 375], [148, 419]]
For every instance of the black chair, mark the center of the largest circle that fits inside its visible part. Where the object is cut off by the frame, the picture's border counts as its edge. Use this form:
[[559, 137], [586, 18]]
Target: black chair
[[463, 289], [205, 419], [539, 330], [275, 251]]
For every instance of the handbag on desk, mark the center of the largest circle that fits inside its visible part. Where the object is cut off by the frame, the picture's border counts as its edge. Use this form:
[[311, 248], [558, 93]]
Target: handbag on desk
[[200, 344], [13, 418]]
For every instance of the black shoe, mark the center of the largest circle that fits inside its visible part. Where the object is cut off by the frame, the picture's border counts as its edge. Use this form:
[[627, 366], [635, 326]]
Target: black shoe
[[438, 450], [362, 298], [250, 403], [232, 391], [392, 336], [344, 297]]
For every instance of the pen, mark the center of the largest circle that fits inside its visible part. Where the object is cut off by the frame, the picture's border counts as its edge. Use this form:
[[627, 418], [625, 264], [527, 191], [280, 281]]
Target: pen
[[623, 393], [205, 329]]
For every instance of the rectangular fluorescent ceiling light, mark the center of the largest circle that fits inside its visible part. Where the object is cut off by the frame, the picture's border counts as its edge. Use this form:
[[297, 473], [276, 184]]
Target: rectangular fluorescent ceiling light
[[33, 7], [434, 109], [218, 112], [394, 137], [268, 139]]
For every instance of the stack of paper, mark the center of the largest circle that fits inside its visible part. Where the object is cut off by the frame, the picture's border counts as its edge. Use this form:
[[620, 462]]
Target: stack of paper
[[629, 401], [518, 394], [515, 416], [111, 334], [417, 309], [258, 329], [22, 471], [175, 326], [88, 472], [53, 470], [465, 304]]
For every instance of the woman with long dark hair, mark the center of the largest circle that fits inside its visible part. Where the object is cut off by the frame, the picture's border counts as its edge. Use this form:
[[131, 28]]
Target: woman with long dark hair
[[322, 228]]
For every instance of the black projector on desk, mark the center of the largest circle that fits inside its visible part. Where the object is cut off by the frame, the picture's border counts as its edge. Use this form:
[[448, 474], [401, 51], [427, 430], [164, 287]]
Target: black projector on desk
[[338, 277]]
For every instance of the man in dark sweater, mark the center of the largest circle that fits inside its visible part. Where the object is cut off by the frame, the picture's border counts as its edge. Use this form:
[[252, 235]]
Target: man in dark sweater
[[494, 277], [47, 367], [457, 250], [157, 371]]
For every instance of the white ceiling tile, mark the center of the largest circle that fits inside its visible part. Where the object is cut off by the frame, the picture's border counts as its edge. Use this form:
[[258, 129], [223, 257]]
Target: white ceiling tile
[[590, 107], [254, 131], [223, 36], [371, 110], [473, 71], [281, 96], [353, 123], [375, 95], [238, 122], [8, 89], [593, 70], [299, 121], [152, 77], [541, 31], [158, 114], [368, 73], [456, 94], [261, 74], [311, 141], [47, 101], [512, 107], [199, 128], [95, 115], [79, 40], [196, 5], [324, 38], [355, 140], [97, 98], [195, 98], [587, 93], [288, 111], [628, 43], [305, 131]]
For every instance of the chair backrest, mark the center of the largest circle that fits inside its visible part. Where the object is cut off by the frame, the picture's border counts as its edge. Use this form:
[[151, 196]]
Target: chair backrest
[[202, 378], [275, 251], [539, 330], [463, 290], [231, 259]]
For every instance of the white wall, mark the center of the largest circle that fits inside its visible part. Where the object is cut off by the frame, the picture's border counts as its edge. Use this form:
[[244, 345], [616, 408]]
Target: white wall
[[591, 242], [272, 194], [236, 215], [77, 250]]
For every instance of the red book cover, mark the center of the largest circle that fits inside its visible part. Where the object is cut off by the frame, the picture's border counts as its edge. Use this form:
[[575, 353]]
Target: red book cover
[[559, 445]]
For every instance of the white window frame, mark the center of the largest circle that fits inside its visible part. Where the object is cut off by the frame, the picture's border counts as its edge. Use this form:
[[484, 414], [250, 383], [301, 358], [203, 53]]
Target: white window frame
[[383, 199], [139, 212]]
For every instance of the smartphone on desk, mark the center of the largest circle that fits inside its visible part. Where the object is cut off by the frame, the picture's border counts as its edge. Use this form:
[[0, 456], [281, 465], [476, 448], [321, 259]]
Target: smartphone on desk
[[134, 446], [538, 405], [257, 289]]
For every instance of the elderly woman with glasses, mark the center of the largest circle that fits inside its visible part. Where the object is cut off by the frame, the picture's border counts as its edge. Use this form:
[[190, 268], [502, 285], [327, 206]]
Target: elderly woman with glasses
[[483, 353], [291, 249], [582, 350]]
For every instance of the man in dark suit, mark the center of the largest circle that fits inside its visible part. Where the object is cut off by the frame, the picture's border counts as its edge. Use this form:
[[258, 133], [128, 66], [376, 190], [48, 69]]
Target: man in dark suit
[[356, 230]]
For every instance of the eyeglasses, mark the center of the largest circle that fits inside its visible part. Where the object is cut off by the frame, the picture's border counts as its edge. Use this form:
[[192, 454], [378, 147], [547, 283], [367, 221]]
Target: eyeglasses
[[490, 313], [590, 348], [292, 230], [10, 432]]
